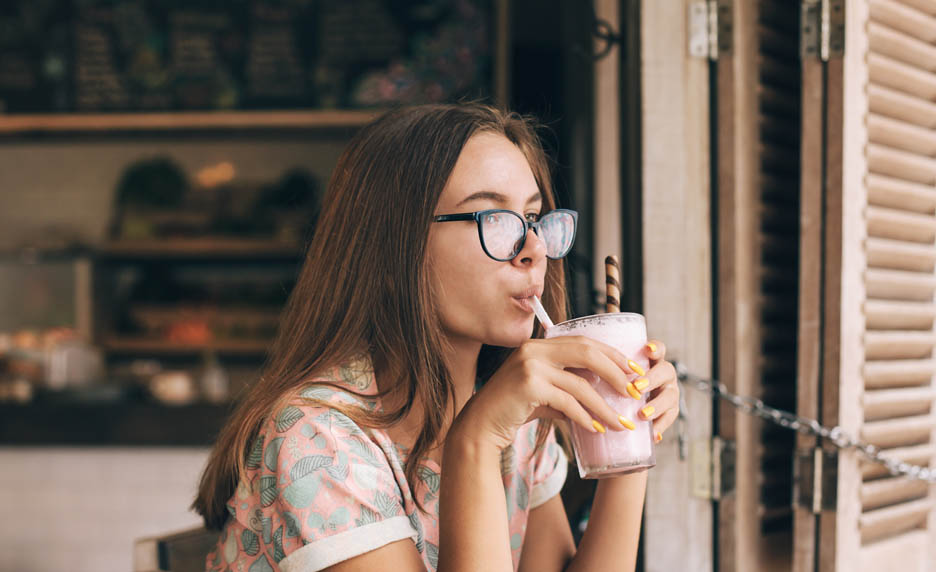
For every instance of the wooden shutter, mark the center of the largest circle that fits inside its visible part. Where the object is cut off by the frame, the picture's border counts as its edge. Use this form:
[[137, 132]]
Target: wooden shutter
[[779, 147], [757, 137], [897, 522], [875, 195]]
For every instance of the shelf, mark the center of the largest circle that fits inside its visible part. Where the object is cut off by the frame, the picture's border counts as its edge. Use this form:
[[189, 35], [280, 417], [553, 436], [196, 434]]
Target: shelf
[[110, 424], [165, 347], [185, 120], [199, 248]]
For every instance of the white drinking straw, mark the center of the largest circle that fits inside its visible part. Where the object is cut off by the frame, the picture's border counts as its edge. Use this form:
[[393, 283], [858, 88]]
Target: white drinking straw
[[541, 313]]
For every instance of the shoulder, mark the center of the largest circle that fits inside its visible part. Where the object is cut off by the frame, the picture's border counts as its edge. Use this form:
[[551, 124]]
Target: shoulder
[[351, 383], [313, 473]]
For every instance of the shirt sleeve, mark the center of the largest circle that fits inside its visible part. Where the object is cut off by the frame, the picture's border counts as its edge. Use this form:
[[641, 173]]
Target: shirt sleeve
[[550, 466], [332, 489]]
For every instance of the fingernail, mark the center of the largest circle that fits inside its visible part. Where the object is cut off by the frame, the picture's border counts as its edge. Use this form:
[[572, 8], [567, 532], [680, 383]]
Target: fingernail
[[652, 347], [598, 426], [648, 411], [659, 437], [626, 422], [635, 368], [642, 383], [633, 391]]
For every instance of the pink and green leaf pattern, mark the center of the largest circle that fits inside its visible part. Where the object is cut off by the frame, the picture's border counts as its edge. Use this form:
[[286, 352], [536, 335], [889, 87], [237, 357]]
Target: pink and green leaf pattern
[[312, 473]]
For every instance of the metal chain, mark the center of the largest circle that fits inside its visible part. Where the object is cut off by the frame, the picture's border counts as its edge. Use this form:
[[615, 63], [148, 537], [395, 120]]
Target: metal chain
[[838, 437]]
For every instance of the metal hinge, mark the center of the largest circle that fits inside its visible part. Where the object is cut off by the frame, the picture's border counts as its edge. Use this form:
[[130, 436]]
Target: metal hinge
[[822, 29], [710, 28], [713, 468], [815, 476]]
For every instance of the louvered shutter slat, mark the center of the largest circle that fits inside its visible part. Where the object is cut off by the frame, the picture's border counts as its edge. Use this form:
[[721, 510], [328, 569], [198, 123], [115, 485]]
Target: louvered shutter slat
[[902, 135], [916, 454], [894, 520], [892, 103], [889, 315], [900, 255], [890, 192], [901, 164], [895, 74], [898, 431], [887, 492], [897, 344], [897, 373], [908, 20], [885, 403], [893, 44], [901, 225]]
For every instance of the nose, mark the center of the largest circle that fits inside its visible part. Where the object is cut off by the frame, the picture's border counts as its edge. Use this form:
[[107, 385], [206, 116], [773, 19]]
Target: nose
[[533, 251]]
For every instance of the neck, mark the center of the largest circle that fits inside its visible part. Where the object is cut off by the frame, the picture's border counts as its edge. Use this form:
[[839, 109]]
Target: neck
[[461, 357]]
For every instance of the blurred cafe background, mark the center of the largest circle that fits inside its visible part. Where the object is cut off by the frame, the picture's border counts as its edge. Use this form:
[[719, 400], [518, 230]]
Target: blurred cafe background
[[161, 168], [765, 169]]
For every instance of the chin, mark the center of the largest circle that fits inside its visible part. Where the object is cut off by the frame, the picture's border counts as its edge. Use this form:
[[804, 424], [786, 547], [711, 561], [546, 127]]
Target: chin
[[513, 337]]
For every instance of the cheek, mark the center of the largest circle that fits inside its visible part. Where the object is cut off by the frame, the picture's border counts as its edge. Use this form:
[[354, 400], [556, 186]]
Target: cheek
[[463, 278], [456, 258]]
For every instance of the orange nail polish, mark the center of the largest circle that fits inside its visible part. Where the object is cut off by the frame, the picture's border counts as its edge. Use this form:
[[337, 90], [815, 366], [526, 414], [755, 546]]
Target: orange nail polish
[[598, 426], [659, 437], [648, 411], [642, 383], [633, 391], [652, 347], [627, 422], [635, 368]]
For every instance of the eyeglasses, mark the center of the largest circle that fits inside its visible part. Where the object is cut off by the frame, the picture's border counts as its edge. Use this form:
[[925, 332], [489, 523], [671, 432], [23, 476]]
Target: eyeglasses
[[503, 233]]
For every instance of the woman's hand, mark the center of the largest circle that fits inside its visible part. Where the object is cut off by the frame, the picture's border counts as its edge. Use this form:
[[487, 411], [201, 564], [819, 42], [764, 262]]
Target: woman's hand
[[533, 382], [663, 388]]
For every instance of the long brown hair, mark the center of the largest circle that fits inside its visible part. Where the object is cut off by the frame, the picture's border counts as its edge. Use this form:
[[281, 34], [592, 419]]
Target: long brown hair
[[365, 287]]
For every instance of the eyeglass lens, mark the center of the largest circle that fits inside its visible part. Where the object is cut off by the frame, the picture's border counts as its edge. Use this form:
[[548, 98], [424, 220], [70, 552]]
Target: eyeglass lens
[[503, 233]]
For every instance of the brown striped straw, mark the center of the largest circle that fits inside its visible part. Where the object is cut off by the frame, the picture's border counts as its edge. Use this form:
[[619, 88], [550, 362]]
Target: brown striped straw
[[612, 284]]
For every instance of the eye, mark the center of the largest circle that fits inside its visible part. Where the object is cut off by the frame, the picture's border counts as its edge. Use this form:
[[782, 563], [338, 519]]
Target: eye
[[533, 217]]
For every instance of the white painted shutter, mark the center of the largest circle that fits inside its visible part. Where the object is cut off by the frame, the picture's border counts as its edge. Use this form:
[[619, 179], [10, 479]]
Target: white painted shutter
[[897, 522]]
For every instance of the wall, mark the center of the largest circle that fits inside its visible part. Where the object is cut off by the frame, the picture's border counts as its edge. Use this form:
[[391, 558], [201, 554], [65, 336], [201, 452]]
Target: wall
[[80, 509]]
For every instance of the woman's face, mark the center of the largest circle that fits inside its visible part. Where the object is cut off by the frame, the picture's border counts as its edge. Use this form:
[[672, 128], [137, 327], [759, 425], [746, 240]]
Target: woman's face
[[481, 299]]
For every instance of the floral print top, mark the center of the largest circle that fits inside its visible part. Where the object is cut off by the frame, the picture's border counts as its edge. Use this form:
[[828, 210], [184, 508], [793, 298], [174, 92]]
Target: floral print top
[[319, 489]]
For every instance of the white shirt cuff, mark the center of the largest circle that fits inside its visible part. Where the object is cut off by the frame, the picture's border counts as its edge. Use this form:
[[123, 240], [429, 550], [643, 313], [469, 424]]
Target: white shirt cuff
[[328, 551]]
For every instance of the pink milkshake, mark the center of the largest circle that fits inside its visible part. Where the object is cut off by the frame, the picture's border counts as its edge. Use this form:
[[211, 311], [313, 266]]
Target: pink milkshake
[[604, 454]]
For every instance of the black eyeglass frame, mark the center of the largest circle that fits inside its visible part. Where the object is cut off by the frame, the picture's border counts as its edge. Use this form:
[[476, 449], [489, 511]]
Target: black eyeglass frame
[[527, 225]]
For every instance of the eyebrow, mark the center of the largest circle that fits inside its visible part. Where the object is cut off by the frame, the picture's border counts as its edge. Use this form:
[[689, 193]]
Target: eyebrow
[[497, 197]]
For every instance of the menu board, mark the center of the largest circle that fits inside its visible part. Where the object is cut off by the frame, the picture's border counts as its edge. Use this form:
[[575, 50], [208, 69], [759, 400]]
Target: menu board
[[146, 55]]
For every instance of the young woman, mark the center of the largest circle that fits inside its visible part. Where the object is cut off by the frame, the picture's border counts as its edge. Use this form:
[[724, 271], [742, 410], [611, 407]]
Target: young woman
[[404, 420]]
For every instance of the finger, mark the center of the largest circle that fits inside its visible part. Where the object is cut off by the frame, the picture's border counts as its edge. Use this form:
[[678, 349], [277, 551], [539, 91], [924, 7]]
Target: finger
[[659, 375], [663, 422], [665, 400], [585, 394], [655, 350], [592, 355], [574, 345], [565, 403]]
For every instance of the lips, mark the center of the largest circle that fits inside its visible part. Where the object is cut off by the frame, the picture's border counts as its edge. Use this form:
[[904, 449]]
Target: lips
[[531, 291], [523, 299]]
